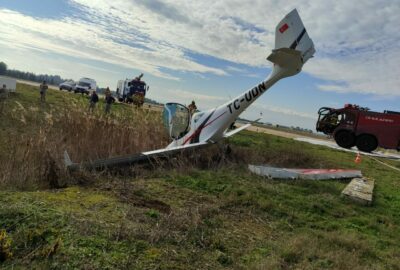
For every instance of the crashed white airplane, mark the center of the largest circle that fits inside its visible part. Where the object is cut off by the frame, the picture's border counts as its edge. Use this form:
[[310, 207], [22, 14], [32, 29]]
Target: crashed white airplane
[[293, 47]]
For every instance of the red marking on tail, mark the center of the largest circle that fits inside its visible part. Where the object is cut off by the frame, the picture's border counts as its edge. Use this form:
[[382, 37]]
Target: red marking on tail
[[283, 28]]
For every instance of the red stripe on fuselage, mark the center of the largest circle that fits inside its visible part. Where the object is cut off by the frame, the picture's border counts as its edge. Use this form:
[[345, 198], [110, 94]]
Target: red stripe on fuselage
[[198, 131], [213, 120]]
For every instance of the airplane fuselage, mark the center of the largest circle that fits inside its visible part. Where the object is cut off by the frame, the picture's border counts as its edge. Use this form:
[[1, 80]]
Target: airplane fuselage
[[211, 125]]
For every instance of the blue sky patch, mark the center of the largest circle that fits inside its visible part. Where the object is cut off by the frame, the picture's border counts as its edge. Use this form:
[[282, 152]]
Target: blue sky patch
[[356, 60], [41, 8]]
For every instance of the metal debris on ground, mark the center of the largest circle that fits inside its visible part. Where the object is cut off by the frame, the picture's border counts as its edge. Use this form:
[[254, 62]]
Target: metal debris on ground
[[360, 190], [305, 174]]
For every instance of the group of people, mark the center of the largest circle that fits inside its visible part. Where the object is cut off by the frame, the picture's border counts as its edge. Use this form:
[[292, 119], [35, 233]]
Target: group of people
[[94, 98]]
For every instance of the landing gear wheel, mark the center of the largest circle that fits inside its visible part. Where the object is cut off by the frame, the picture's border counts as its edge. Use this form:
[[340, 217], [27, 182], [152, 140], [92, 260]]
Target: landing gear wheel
[[366, 143], [345, 139]]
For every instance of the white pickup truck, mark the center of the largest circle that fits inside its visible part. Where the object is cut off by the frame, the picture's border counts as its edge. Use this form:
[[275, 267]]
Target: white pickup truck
[[85, 85]]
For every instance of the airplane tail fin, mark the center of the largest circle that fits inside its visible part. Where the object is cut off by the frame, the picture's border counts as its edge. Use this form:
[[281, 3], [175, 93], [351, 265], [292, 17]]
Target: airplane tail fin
[[293, 46]]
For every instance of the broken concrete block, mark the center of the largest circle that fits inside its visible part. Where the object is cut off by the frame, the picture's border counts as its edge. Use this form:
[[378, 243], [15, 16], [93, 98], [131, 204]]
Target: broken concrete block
[[360, 190]]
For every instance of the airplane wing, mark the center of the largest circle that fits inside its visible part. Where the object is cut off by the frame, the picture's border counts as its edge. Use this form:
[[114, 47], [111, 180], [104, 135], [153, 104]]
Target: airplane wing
[[139, 158], [233, 132], [120, 161]]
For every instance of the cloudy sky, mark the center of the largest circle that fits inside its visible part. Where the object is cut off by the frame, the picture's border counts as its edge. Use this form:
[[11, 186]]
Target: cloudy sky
[[211, 51]]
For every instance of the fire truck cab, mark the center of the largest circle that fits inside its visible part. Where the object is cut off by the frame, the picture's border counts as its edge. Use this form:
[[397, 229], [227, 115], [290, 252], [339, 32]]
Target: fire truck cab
[[132, 91], [357, 126]]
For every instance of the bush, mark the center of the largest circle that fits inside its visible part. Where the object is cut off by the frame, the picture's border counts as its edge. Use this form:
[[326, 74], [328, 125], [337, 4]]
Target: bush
[[5, 245]]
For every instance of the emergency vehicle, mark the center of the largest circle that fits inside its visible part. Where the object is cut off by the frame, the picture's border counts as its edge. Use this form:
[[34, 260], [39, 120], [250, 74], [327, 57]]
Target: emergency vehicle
[[353, 125]]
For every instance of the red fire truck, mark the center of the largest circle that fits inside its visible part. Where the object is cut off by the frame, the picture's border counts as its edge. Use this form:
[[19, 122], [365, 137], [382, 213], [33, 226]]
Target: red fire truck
[[357, 126]]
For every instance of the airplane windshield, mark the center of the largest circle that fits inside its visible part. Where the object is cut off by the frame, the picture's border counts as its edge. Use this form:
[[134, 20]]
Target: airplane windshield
[[84, 84], [176, 118]]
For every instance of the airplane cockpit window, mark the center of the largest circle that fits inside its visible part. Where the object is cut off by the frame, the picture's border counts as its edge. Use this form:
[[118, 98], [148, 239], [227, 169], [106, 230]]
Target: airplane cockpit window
[[176, 118]]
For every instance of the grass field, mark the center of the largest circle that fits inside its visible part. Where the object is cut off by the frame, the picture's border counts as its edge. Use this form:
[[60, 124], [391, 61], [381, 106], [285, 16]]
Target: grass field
[[201, 212]]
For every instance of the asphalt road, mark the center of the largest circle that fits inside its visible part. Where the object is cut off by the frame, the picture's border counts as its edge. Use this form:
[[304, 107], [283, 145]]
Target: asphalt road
[[54, 87]]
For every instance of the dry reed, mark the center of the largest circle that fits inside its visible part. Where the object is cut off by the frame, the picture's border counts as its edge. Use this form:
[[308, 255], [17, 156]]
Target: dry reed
[[33, 158]]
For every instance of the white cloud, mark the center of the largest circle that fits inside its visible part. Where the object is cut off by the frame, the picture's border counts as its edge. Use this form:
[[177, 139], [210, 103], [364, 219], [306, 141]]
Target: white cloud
[[358, 45], [92, 41], [368, 72], [235, 69], [190, 95], [204, 102], [210, 101], [283, 110]]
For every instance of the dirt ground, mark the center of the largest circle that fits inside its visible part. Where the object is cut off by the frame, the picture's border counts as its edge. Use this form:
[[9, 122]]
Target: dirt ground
[[54, 87]]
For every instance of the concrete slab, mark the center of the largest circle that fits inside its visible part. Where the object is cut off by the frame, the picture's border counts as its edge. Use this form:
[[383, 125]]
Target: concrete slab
[[271, 172], [360, 190], [306, 174]]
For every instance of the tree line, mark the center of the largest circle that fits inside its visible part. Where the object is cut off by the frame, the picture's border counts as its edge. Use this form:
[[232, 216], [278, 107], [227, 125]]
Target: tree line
[[30, 76]]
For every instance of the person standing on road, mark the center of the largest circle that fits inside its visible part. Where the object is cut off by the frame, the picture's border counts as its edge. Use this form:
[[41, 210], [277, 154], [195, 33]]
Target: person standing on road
[[109, 100], [94, 98], [43, 90]]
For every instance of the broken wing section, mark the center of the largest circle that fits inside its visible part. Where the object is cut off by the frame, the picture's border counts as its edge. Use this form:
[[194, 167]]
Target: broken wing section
[[233, 132], [122, 161]]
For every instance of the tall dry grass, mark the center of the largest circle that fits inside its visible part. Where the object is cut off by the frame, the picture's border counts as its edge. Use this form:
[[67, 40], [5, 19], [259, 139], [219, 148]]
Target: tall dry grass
[[33, 144], [36, 138], [92, 136]]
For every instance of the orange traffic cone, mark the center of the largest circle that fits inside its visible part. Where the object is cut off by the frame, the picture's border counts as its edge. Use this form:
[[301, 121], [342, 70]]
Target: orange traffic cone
[[358, 158]]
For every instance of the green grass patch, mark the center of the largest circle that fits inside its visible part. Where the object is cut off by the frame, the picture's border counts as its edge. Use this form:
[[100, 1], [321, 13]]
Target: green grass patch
[[221, 217]]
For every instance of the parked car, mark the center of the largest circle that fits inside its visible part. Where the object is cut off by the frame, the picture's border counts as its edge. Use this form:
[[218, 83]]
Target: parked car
[[67, 85], [85, 85]]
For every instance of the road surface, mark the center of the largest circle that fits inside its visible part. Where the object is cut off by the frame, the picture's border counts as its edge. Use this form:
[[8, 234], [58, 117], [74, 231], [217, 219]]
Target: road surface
[[54, 87], [333, 145]]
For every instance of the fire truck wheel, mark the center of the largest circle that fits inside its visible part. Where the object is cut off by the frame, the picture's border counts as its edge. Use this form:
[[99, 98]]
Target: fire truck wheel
[[345, 139], [366, 143]]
